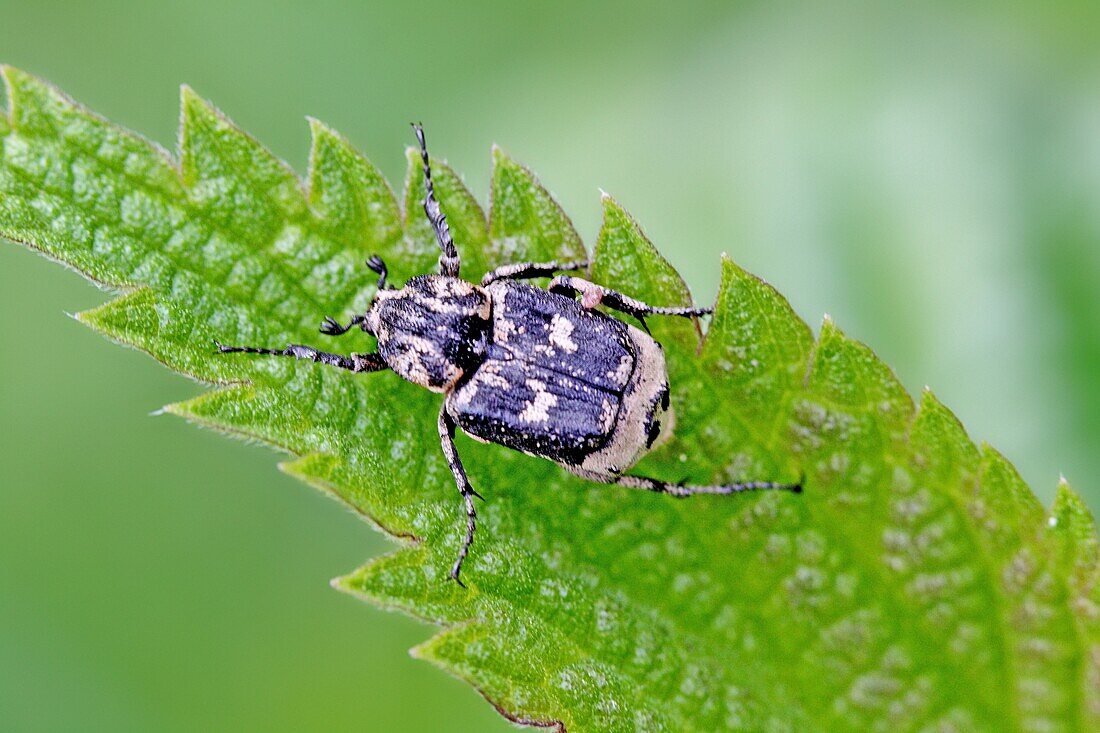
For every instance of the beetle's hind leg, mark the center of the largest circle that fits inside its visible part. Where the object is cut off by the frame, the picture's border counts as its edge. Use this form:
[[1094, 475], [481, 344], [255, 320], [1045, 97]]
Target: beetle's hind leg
[[528, 270], [593, 295], [448, 258], [684, 490], [450, 452], [353, 363]]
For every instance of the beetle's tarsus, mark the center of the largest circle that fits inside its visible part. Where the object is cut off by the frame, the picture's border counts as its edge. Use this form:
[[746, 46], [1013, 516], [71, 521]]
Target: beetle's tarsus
[[330, 327], [454, 575], [376, 265]]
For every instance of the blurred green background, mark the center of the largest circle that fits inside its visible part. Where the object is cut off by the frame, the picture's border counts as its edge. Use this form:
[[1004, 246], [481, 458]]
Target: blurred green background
[[928, 175]]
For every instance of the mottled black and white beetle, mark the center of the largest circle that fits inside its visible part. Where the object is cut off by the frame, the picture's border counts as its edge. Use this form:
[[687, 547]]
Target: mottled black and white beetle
[[527, 368]]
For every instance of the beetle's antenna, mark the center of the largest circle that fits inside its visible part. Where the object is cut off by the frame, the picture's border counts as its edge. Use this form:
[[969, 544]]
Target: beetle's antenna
[[448, 259]]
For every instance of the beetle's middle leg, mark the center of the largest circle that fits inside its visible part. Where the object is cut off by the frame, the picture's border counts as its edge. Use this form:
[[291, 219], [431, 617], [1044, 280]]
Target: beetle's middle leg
[[593, 295], [529, 270], [684, 490], [450, 452]]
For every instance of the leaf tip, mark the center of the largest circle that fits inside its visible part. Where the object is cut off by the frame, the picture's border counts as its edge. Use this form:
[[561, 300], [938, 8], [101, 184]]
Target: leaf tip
[[194, 107], [11, 75], [341, 583], [829, 329], [730, 269], [188, 95], [321, 131], [176, 408], [1069, 513]]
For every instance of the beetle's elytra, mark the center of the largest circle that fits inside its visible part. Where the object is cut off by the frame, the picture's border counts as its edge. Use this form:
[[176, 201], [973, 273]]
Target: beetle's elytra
[[534, 370]]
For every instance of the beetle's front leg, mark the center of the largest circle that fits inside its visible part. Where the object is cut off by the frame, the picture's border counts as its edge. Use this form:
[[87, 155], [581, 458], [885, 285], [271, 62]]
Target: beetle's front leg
[[353, 363], [447, 440], [593, 295]]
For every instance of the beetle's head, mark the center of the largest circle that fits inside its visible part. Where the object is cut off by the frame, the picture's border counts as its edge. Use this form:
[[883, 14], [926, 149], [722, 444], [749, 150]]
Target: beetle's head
[[432, 331]]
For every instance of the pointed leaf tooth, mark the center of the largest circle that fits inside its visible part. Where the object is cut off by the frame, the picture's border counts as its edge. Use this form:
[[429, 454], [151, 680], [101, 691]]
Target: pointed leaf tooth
[[288, 414], [625, 259], [1073, 532], [81, 190], [848, 372], [853, 414], [33, 104], [415, 580], [465, 217], [168, 333], [1040, 625], [334, 476], [750, 368], [319, 471], [1072, 517], [525, 222], [756, 342], [473, 652], [1015, 512], [252, 413], [233, 178], [38, 108], [942, 450], [350, 195]]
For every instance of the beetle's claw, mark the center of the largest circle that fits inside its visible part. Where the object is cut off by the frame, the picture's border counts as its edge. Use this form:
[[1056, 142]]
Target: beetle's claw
[[455, 578]]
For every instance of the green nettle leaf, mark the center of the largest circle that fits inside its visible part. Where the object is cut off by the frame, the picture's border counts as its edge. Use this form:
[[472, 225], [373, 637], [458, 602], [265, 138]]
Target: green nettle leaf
[[917, 584]]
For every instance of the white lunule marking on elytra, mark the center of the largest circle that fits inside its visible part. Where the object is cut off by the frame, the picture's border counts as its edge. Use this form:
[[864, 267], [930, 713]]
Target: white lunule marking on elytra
[[607, 416], [504, 330], [538, 409], [490, 375], [561, 331], [622, 373]]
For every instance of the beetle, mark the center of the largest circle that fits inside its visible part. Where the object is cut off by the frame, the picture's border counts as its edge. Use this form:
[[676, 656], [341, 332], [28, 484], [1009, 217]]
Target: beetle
[[535, 370]]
